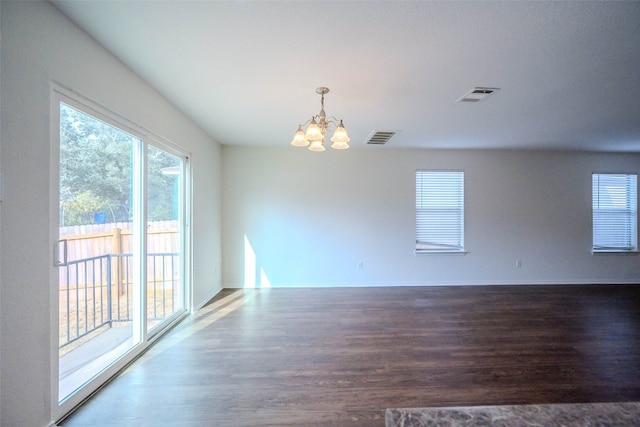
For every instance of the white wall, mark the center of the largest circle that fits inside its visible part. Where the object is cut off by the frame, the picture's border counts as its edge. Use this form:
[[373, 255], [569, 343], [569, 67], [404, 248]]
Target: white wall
[[40, 45], [311, 218]]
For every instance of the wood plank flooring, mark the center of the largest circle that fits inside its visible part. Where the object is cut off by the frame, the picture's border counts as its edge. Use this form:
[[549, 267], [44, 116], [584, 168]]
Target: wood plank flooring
[[341, 356]]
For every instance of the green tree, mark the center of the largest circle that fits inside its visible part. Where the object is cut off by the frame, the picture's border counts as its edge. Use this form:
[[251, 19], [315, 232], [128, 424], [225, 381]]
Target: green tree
[[96, 172], [162, 185]]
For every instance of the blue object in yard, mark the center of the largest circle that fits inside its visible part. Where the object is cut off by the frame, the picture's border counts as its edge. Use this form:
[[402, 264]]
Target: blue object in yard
[[100, 217]]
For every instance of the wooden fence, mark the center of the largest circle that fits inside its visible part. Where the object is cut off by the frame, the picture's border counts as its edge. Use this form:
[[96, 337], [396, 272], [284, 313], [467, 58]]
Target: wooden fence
[[87, 241]]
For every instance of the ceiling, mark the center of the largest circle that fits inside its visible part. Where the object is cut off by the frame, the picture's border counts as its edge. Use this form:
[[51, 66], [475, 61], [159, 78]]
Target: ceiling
[[247, 71]]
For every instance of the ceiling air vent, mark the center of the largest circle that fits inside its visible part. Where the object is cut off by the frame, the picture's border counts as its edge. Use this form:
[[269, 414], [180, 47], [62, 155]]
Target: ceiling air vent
[[478, 94], [381, 137]]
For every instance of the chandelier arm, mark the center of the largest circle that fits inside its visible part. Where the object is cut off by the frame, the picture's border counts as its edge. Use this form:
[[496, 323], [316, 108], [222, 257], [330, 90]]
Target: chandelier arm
[[333, 120], [307, 122]]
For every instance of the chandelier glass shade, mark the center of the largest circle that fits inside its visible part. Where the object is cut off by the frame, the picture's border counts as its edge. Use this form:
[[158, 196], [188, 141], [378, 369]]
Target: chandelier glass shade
[[318, 127]]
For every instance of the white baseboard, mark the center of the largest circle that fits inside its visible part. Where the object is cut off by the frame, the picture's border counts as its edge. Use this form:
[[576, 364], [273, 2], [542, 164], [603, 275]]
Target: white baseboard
[[443, 283]]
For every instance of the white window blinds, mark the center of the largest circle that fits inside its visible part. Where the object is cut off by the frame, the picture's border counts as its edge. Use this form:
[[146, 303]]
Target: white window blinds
[[439, 211], [615, 219]]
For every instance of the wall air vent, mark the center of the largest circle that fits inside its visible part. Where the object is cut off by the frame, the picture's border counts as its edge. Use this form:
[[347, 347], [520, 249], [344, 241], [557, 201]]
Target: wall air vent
[[381, 137], [478, 94]]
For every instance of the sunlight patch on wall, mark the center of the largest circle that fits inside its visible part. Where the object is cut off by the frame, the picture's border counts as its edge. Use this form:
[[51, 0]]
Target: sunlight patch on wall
[[264, 280], [251, 278]]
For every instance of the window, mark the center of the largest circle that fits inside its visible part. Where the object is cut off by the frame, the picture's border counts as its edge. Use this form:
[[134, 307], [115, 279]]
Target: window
[[615, 219], [439, 211]]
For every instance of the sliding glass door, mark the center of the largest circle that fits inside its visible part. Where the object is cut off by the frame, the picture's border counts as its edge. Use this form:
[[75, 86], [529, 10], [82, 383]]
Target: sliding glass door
[[98, 290], [120, 252], [165, 237]]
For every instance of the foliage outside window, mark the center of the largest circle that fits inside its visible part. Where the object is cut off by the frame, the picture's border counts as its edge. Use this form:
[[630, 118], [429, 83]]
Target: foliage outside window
[[95, 172]]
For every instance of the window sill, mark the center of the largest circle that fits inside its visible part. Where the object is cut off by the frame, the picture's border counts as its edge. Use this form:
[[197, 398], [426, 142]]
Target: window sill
[[614, 252], [419, 253]]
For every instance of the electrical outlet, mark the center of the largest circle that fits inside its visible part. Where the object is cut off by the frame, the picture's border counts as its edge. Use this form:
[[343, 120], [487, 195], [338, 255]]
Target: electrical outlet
[[518, 263]]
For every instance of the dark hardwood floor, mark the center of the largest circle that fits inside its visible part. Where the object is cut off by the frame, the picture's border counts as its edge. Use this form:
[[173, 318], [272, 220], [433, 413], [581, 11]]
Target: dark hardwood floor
[[341, 356]]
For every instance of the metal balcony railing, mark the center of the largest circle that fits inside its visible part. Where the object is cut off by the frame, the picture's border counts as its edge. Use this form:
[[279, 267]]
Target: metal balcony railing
[[96, 292]]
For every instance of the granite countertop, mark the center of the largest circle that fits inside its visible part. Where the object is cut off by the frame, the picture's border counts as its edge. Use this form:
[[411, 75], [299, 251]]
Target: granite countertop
[[561, 415]]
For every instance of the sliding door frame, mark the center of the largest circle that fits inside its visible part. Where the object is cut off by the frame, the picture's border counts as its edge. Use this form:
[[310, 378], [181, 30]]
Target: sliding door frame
[[184, 219], [60, 94]]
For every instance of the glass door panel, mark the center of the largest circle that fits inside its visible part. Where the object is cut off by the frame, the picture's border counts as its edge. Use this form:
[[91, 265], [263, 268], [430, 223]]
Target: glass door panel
[[165, 195], [98, 280]]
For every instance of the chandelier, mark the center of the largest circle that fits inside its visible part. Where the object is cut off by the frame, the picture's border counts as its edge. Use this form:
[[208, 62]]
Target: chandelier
[[318, 127]]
